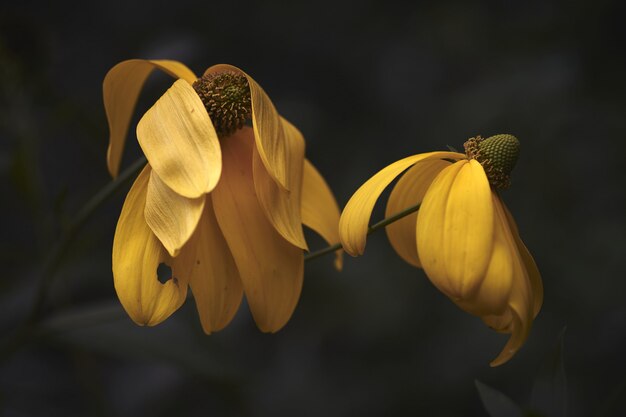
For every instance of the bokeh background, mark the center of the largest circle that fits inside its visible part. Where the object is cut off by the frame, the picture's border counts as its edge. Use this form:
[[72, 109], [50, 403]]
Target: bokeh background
[[368, 82]]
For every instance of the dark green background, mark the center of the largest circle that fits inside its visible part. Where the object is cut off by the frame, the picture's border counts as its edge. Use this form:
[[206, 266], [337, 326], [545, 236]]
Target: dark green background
[[368, 83]]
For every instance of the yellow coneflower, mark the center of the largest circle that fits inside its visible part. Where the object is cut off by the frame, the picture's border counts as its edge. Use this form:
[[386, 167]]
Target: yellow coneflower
[[220, 202], [463, 236]]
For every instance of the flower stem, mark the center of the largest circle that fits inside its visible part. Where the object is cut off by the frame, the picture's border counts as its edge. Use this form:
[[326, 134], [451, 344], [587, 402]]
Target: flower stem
[[371, 229], [51, 262], [57, 252]]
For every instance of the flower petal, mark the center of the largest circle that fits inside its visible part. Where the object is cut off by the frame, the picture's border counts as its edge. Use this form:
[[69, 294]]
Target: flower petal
[[275, 151], [179, 140], [516, 340], [320, 211], [356, 214], [281, 207], [502, 323], [455, 229], [120, 90], [137, 254], [409, 191], [172, 217], [492, 296], [529, 263], [521, 298], [270, 267], [214, 280]]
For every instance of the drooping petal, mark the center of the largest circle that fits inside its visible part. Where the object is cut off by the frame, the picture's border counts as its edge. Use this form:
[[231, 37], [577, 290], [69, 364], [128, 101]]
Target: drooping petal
[[179, 140], [320, 211], [501, 323], [281, 207], [172, 217], [516, 340], [356, 214], [409, 191], [214, 280], [529, 263], [494, 290], [431, 221], [271, 268], [533, 275], [137, 253], [120, 90], [274, 150], [521, 298], [455, 229]]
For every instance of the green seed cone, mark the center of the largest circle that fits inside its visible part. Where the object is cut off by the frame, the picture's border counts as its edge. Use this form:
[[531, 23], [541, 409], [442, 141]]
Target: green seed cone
[[502, 151], [497, 154]]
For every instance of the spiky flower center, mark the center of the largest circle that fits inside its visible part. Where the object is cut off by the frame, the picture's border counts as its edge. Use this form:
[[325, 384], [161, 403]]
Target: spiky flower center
[[226, 96], [497, 154]]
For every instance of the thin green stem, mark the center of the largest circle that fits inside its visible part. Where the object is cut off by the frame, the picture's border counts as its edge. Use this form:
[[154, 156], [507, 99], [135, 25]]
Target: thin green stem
[[57, 252], [394, 218], [318, 253], [381, 224]]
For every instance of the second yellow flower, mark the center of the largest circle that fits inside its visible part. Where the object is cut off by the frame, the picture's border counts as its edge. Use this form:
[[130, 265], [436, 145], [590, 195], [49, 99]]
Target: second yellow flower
[[220, 202]]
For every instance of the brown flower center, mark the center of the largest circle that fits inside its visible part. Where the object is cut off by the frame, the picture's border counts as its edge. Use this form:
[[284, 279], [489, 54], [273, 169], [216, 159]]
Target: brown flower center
[[226, 96]]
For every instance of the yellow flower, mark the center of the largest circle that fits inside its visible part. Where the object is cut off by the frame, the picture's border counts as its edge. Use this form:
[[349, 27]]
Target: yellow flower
[[463, 236], [220, 202]]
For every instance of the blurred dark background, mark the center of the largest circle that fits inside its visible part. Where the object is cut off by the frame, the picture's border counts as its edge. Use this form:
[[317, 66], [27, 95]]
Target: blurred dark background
[[368, 82]]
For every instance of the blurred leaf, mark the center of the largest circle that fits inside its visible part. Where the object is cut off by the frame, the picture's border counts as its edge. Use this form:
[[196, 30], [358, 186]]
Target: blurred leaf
[[107, 329], [496, 403], [78, 318], [549, 392]]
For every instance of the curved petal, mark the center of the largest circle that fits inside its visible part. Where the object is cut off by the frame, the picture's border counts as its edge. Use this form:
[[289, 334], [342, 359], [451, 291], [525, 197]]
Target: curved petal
[[281, 207], [275, 151], [356, 214], [521, 298], [172, 217], [214, 280], [120, 91], [409, 191], [529, 263], [533, 275], [502, 323], [179, 140], [320, 211], [455, 229], [493, 293], [137, 254], [271, 268], [492, 296], [516, 340]]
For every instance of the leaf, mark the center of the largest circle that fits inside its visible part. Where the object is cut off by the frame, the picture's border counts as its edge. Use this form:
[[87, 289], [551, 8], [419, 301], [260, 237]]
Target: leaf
[[496, 403], [549, 393], [107, 329]]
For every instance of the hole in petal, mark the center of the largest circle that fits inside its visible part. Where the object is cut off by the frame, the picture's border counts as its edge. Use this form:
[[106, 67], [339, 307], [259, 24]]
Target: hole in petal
[[164, 273]]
